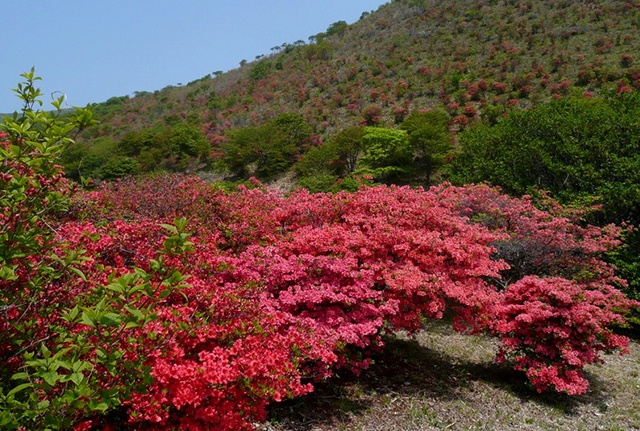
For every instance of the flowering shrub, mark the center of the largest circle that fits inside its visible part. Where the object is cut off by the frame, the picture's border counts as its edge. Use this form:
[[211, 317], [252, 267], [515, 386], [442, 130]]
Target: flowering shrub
[[572, 321], [349, 266]]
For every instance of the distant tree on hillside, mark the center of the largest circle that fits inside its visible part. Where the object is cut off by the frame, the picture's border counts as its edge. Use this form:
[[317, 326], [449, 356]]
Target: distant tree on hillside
[[337, 28], [273, 147], [430, 142]]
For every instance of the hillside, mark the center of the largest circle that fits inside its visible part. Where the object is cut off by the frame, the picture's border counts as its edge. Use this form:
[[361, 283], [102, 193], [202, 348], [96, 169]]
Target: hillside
[[469, 57]]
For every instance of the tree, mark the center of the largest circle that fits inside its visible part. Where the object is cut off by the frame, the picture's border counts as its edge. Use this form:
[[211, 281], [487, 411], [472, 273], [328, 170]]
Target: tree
[[322, 166], [348, 148], [273, 147], [136, 142], [187, 141], [260, 70], [119, 167], [578, 149], [85, 159], [430, 142], [239, 149], [337, 28], [387, 155]]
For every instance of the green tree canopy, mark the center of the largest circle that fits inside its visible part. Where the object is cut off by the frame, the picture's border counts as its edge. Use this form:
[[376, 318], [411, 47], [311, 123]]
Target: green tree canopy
[[430, 142], [387, 155], [273, 147], [576, 148]]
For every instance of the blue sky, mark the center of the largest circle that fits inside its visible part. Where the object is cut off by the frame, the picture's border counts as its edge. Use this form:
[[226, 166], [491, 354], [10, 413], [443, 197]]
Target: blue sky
[[95, 49]]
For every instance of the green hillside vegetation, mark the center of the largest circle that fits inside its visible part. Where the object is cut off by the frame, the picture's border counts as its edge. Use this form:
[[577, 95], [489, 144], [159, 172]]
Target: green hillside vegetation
[[176, 148], [467, 57], [471, 60]]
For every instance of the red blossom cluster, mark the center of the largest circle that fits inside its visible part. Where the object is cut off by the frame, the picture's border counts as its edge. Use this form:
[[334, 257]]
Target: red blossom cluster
[[281, 289]]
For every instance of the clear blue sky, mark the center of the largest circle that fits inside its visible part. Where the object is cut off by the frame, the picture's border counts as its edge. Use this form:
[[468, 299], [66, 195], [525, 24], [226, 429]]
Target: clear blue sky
[[95, 49]]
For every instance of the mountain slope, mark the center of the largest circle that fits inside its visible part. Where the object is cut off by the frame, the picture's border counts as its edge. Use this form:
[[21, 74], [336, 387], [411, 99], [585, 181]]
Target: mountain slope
[[467, 56]]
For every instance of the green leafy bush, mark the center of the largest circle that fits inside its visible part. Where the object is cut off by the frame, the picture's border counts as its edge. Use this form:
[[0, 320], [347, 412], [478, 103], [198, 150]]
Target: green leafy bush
[[180, 147], [337, 28], [579, 149], [430, 141], [338, 156], [119, 167], [260, 70], [273, 147], [387, 155], [84, 159]]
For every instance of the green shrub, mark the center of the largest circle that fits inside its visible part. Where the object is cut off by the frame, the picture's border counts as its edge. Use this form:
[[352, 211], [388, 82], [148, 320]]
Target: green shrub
[[85, 159], [187, 141], [273, 147], [576, 148], [387, 155], [260, 70], [337, 28], [119, 167], [430, 142]]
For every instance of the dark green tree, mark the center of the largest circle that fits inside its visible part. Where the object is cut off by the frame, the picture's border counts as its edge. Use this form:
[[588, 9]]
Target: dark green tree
[[85, 159], [579, 149], [186, 140], [273, 147], [119, 167], [337, 158], [337, 28], [430, 142]]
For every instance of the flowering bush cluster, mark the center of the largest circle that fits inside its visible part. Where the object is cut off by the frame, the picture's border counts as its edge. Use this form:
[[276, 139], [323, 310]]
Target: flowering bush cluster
[[324, 275], [182, 306]]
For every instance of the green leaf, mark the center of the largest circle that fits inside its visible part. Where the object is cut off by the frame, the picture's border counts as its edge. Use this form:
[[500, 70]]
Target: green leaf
[[78, 273], [100, 407], [73, 313], [110, 319], [116, 287], [7, 272], [51, 377], [20, 376], [154, 265], [77, 378], [170, 228], [87, 320], [19, 388], [45, 351], [137, 313], [60, 353]]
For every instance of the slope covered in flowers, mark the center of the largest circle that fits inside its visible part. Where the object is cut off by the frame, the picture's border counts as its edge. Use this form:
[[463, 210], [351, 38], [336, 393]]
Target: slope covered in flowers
[[472, 58]]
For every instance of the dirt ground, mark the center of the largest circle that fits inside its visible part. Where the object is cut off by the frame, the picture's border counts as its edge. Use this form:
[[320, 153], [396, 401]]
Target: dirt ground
[[441, 380]]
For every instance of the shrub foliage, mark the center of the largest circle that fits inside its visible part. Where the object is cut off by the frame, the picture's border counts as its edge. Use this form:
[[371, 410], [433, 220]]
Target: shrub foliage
[[581, 150]]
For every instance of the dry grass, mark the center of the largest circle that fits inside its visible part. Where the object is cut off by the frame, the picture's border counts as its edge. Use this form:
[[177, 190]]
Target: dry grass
[[443, 380]]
